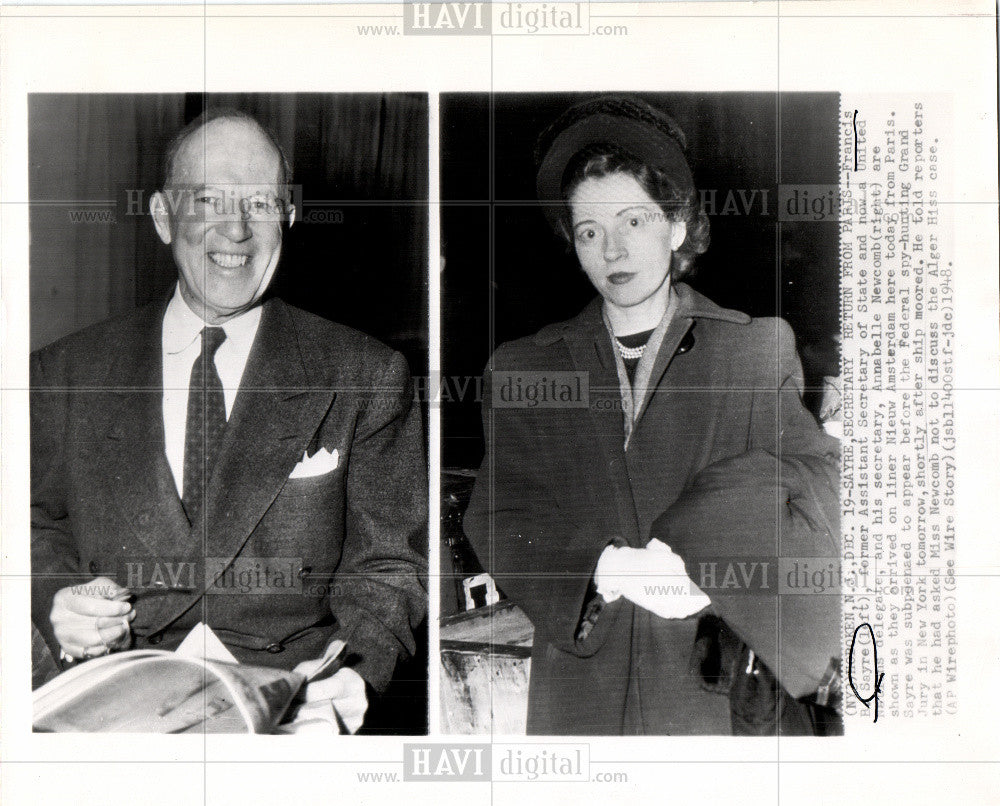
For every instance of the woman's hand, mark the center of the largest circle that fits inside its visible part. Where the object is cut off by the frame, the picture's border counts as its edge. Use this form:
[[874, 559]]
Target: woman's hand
[[653, 578]]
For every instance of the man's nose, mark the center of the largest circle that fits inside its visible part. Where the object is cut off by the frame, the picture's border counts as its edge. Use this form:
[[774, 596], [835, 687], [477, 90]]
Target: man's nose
[[235, 226]]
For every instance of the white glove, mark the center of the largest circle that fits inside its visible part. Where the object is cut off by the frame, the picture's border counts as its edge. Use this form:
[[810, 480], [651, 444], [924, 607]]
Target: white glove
[[341, 695], [653, 578]]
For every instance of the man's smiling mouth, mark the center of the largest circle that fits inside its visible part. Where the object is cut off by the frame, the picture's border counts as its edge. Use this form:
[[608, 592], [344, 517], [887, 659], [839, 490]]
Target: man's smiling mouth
[[228, 260]]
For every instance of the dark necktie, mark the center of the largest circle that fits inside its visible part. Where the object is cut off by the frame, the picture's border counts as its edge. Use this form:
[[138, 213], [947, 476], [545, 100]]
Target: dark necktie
[[206, 420]]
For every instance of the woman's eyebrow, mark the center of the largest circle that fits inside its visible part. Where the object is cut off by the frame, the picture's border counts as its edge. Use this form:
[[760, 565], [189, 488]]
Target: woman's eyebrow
[[624, 210]]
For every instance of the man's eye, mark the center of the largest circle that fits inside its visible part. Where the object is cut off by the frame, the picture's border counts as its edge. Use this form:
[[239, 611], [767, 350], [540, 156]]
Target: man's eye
[[634, 221], [260, 206], [586, 234], [205, 200]]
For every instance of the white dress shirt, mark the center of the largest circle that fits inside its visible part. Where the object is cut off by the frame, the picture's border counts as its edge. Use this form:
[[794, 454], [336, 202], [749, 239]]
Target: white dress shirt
[[181, 346]]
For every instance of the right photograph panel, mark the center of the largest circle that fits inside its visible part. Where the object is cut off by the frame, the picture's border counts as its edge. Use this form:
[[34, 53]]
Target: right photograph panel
[[640, 414]]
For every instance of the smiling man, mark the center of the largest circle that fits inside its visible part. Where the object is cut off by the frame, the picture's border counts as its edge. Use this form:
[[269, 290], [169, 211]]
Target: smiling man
[[221, 211], [222, 435]]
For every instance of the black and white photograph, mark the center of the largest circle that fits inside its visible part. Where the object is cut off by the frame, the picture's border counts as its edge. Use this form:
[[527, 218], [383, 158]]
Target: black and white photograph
[[228, 457], [499, 402], [652, 456]]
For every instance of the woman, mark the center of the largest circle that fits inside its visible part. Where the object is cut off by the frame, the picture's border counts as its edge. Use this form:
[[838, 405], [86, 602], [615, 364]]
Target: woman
[[639, 526]]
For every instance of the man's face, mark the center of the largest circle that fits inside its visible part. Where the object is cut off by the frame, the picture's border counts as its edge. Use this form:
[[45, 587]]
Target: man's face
[[221, 216]]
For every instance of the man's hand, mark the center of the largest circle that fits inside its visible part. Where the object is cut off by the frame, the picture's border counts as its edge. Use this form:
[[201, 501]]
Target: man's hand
[[345, 691], [89, 620], [653, 578]]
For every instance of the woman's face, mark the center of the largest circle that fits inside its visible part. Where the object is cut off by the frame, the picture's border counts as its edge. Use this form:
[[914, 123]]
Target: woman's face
[[623, 239]]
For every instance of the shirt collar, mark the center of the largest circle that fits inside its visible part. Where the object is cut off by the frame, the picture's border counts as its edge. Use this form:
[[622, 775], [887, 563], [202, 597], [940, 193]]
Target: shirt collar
[[182, 326]]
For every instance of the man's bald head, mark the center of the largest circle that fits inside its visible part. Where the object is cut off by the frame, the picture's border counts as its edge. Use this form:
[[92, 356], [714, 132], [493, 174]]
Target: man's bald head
[[188, 138]]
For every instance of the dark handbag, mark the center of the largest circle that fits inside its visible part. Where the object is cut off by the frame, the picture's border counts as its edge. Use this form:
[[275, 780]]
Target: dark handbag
[[758, 705]]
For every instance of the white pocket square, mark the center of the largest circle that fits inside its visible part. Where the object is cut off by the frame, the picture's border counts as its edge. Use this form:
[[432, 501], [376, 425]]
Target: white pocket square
[[316, 465]]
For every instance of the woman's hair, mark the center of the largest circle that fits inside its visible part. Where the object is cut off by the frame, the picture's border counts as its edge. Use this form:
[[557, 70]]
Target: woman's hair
[[655, 170]]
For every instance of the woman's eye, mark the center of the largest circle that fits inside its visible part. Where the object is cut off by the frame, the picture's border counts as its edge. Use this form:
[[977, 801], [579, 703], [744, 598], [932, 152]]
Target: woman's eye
[[634, 221], [586, 235]]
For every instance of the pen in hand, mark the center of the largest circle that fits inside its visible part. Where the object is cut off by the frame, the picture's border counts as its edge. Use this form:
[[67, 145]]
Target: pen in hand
[[125, 594]]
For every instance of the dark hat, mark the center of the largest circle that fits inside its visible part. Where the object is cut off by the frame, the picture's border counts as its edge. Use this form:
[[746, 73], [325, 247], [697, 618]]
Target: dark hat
[[623, 123]]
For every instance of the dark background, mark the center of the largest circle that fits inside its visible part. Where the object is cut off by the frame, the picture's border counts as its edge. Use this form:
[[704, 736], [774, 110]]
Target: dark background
[[364, 155], [507, 275]]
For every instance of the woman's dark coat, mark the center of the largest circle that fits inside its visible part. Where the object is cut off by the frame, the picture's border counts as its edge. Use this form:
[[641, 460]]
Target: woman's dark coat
[[724, 465]]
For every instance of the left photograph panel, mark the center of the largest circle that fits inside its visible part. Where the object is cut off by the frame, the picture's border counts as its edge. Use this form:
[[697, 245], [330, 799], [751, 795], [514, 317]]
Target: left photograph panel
[[228, 300]]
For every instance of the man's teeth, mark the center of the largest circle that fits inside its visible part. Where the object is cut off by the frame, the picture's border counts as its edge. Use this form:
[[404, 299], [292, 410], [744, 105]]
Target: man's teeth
[[228, 261]]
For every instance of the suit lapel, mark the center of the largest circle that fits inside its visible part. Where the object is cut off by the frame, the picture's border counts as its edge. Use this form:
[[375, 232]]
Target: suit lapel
[[139, 480], [277, 412], [590, 349]]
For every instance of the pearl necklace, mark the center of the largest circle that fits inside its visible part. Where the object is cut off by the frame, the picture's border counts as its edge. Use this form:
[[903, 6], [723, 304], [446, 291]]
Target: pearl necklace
[[629, 353]]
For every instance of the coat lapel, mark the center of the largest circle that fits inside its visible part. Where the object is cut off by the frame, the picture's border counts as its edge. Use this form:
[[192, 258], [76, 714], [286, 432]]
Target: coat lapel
[[681, 335], [590, 349], [679, 331]]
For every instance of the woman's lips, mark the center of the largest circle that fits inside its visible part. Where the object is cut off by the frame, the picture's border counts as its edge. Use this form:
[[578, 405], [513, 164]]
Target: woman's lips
[[620, 277]]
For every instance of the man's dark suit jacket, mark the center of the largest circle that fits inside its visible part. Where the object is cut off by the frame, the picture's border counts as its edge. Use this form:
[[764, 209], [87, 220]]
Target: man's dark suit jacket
[[351, 541]]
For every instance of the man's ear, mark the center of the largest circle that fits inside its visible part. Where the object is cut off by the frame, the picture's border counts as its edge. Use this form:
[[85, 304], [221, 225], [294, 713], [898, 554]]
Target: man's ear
[[161, 218], [678, 232]]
